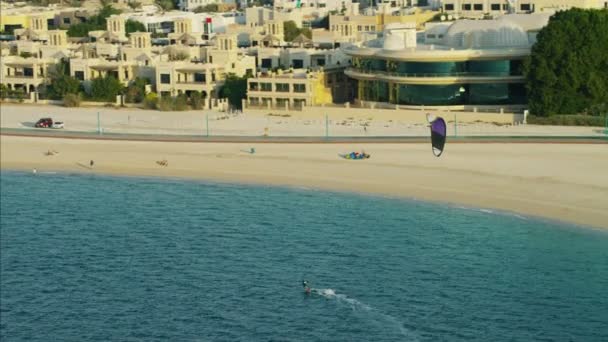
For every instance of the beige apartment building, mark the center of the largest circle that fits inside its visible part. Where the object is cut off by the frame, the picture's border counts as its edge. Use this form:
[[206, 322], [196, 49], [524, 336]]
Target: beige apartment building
[[26, 74], [298, 88], [207, 74]]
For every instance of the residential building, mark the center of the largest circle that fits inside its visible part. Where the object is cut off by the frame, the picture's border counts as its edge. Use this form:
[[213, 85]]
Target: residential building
[[27, 74], [481, 8], [207, 74], [298, 87], [299, 58]]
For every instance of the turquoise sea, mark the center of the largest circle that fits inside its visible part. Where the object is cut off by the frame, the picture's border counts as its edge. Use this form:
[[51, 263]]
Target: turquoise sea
[[96, 258]]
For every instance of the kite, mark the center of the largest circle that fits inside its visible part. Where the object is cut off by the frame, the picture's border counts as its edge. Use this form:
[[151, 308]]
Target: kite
[[438, 133]]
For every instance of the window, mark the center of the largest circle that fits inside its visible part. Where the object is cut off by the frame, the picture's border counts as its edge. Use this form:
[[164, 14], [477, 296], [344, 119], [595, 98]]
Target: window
[[233, 65], [299, 88], [282, 87], [430, 36], [321, 62], [359, 28], [440, 36], [67, 21], [525, 7], [199, 77], [210, 59], [466, 7], [165, 78], [495, 7], [478, 7], [449, 7], [253, 86], [266, 62], [366, 28], [28, 72], [298, 63], [212, 77], [505, 7], [372, 28], [266, 86]]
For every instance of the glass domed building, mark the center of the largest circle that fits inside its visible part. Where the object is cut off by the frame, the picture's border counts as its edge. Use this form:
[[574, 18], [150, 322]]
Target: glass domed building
[[466, 62]]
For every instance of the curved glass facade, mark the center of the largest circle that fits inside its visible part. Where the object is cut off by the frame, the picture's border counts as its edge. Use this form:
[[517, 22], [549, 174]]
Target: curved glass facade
[[439, 69], [439, 95]]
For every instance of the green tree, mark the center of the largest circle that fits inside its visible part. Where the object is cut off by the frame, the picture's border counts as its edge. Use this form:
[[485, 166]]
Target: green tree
[[94, 23], [291, 30], [235, 89], [60, 81], [134, 26], [105, 88], [567, 71], [63, 85]]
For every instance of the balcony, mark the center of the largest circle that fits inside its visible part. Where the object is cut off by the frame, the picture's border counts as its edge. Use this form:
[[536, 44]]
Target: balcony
[[434, 78]]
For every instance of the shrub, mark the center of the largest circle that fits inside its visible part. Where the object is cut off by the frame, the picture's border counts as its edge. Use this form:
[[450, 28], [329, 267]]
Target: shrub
[[136, 91], [71, 100], [151, 101], [196, 100], [3, 91], [178, 103], [568, 120]]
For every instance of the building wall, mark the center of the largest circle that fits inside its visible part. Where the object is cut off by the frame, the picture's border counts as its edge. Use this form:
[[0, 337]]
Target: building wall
[[185, 77], [478, 8]]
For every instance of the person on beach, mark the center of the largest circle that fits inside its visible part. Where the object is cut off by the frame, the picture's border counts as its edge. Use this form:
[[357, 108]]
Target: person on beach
[[91, 163]]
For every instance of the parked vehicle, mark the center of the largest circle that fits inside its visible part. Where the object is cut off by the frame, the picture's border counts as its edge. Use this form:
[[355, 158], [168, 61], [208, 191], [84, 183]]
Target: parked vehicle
[[44, 123], [48, 123]]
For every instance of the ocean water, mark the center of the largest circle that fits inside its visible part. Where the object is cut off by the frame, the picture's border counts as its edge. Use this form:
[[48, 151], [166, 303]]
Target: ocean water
[[95, 258]]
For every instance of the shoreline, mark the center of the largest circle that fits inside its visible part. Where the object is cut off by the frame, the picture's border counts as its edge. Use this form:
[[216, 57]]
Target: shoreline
[[295, 187], [562, 183]]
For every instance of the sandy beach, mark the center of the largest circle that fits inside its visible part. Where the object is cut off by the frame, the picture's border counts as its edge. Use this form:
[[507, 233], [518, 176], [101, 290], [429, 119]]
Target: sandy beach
[[563, 182]]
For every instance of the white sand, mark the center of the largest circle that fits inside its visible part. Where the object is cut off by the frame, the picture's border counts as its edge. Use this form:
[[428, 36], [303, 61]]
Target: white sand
[[565, 182]]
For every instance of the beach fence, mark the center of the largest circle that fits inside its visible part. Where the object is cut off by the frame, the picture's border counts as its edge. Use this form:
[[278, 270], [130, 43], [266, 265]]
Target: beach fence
[[327, 123]]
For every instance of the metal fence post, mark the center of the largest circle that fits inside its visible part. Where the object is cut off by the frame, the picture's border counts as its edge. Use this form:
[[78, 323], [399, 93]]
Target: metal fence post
[[326, 126], [207, 124], [98, 124], [455, 125]]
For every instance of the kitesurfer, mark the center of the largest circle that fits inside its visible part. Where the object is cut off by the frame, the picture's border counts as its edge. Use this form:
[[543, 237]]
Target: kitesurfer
[[306, 287]]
